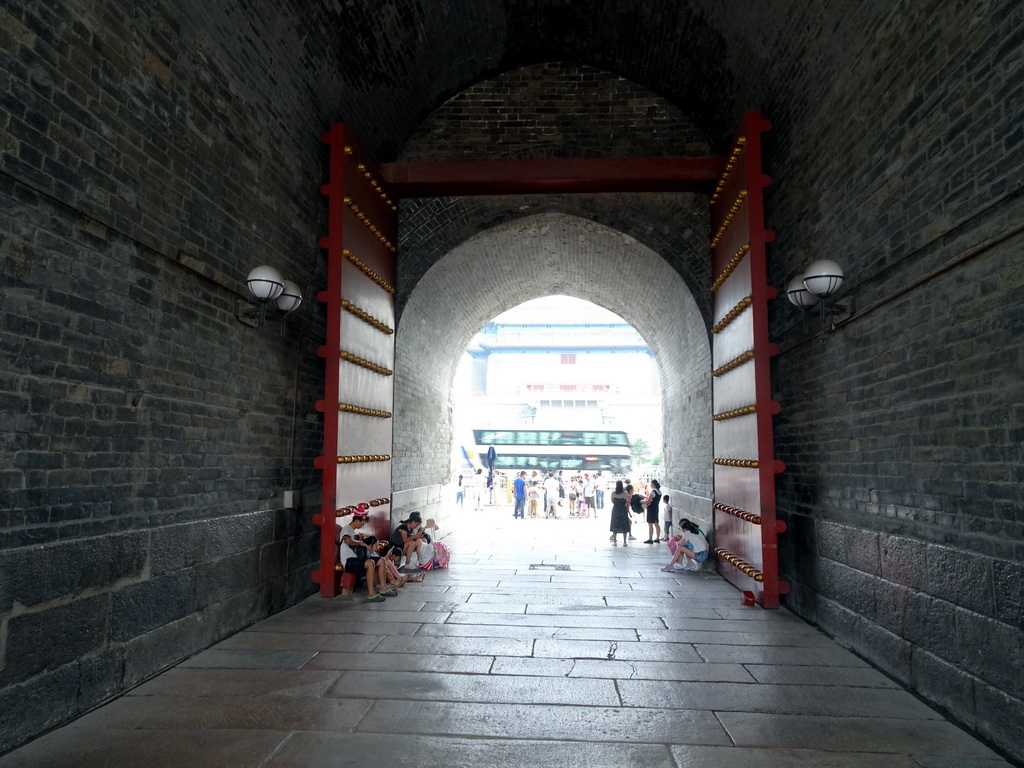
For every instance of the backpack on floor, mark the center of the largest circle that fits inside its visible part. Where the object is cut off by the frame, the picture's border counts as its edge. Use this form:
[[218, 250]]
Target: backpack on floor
[[442, 555]]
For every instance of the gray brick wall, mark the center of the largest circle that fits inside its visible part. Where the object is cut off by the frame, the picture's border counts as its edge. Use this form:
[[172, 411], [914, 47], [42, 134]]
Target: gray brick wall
[[902, 431], [554, 110], [147, 435]]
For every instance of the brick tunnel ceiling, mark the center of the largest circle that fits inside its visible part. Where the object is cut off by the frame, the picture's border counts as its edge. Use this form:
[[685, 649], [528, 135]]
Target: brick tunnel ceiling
[[413, 55]]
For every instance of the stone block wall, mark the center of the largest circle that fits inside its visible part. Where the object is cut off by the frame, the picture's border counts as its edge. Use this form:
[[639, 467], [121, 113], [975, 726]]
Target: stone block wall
[[148, 160], [898, 153]]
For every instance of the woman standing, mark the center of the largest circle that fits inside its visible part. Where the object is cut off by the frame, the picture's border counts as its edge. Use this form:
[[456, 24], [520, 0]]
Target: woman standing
[[651, 503], [620, 514]]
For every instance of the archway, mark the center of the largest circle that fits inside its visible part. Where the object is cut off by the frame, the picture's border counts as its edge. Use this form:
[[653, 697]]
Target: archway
[[525, 259]]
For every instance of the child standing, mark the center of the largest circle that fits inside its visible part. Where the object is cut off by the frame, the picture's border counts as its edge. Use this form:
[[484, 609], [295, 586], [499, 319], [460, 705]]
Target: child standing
[[666, 517], [533, 498]]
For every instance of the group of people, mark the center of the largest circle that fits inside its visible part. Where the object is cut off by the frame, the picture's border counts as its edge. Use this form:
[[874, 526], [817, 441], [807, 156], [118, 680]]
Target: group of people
[[689, 547], [381, 562], [583, 494], [626, 501]]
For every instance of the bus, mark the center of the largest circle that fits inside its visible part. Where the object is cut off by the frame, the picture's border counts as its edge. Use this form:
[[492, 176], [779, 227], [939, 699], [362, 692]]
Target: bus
[[550, 450]]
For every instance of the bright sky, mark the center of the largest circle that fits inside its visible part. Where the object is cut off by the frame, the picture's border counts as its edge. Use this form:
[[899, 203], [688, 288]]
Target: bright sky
[[558, 309]]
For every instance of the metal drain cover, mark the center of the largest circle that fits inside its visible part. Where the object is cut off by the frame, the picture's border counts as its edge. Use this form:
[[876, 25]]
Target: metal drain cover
[[553, 566]]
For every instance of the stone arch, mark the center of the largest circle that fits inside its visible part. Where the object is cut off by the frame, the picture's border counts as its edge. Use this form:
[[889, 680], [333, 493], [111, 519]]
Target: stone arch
[[524, 259]]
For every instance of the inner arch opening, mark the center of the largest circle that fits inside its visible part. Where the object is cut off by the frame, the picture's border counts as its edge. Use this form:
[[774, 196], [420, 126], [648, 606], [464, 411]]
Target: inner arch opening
[[557, 384], [524, 259]]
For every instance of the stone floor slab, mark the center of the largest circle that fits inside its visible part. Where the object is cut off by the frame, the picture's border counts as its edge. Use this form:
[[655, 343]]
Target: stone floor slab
[[621, 610], [181, 681], [856, 677], [730, 757], [360, 625], [707, 637], [293, 641], [525, 632], [662, 670], [508, 689], [68, 748], [794, 626], [410, 662], [362, 750], [736, 654], [852, 734], [578, 724], [227, 713], [569, 619], [795, 699], [467, 607], [472, 646], [238, 659], [594, 649]]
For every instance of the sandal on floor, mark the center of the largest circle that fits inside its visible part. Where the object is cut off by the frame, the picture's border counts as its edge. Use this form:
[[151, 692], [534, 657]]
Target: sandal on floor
[[378, 598], [389, 593]]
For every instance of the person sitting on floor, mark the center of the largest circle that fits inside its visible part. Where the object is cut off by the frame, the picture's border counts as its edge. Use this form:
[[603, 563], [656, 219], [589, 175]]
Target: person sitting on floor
[[353, 552], [408, 537], [375, 551], [691, 548], [390, 558]]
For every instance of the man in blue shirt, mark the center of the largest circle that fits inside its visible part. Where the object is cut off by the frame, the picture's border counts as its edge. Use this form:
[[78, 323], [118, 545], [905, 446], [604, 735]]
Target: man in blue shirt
[[520, 488]]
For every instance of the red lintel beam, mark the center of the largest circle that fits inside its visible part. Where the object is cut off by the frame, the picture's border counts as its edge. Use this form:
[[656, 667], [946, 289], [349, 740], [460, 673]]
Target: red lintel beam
[[520, 177]]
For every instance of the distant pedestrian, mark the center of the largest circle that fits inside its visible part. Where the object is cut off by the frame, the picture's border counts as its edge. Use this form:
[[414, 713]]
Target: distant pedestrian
[[666, 516], [620, 514], [651, 504], [475, 489], [520, 495], [590, 493], [550, 495], [533, 498]]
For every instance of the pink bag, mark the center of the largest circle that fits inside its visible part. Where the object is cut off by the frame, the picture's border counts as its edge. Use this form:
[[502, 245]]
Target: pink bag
[[673, 545], [442, 555]]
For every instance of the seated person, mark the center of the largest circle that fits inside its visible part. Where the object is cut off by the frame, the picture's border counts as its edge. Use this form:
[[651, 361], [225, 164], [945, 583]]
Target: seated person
[[375, 551], [390, 558], [408, 536], [352, 551], [691, 549]]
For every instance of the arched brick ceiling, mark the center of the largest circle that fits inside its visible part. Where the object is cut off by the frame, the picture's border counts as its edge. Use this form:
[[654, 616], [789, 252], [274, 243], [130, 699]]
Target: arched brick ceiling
[[555, 110], [524, 259], [398, 61], [673, 225]]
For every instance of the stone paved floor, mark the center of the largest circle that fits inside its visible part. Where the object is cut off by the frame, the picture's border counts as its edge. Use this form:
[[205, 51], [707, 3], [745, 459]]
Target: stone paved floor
[[492, 663]]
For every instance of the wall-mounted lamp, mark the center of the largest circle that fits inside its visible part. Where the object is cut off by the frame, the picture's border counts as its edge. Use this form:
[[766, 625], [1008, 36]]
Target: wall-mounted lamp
[[821, 279], [267, 285]]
